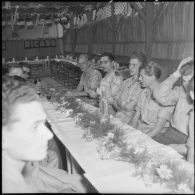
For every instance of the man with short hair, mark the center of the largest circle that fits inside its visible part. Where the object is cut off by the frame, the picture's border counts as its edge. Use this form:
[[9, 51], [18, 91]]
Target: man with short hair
[[26, 71], [127, 97], [90, 78], [177, 96], [151, 118], [110, 84], [53, 158], [25, 137], [25, 141], [16, 72]]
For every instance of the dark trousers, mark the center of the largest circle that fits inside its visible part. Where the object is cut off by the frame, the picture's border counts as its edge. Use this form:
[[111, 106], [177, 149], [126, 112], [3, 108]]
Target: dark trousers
[[171, 136]]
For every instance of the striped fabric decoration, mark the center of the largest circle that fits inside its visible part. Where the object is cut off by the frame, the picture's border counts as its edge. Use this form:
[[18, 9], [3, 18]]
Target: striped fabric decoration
[[119, 7], [107, 11]]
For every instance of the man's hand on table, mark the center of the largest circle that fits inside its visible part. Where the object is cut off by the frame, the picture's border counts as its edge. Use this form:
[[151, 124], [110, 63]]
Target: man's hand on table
[[69, 93], [116, 105], [92, 94]]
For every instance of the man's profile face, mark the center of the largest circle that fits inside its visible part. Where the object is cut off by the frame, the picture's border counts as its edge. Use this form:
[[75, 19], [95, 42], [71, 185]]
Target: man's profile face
[[83, 63], [186, 79], [26, 72], [26, 134], [144, 79], [106, 63], [134, 65]]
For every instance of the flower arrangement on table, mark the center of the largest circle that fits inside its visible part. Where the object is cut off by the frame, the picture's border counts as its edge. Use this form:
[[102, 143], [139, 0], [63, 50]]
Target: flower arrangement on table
[[168, 173], [112, 146]]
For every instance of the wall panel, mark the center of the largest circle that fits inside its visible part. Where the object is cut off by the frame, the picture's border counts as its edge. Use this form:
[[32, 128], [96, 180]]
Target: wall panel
[[15, 48]]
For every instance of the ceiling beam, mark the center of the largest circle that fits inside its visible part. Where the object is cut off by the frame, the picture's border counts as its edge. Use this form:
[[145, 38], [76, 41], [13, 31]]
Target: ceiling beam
[[140, 12], [160, 14]]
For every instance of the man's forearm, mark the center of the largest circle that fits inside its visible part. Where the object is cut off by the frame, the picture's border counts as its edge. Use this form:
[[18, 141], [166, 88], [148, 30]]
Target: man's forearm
[[165, 93], [134, 120], [156, 130], [82, 93]]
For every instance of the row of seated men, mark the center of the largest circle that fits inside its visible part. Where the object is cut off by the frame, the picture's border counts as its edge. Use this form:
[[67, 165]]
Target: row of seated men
[[163, 111], [157, 109], [139, 101]]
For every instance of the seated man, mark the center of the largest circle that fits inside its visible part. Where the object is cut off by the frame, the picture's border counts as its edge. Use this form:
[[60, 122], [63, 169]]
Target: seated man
[[24, 142], [26, 71], [127, 96], [4, 69], [150, 117], [90, 78], [53, 158], [25, 137], [178, 132], [110, 84], [16, 72]]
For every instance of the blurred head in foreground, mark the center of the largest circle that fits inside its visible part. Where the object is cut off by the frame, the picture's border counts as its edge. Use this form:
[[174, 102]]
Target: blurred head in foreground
[[25, 136]]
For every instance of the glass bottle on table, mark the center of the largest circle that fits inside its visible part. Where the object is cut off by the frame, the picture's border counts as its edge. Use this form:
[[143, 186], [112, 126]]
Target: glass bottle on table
[[39, 86], [104, 107], [37, 83], [104, 103]]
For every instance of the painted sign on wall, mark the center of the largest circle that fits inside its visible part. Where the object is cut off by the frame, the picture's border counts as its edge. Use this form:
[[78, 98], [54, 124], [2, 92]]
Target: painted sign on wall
[[28, 44], [3, 45]]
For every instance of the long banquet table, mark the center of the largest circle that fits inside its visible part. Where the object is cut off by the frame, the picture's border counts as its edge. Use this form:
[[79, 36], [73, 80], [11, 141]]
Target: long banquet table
[[107, 176]]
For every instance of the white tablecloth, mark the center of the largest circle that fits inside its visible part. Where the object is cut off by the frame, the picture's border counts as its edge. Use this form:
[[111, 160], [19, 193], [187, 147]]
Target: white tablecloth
[[107, 176]]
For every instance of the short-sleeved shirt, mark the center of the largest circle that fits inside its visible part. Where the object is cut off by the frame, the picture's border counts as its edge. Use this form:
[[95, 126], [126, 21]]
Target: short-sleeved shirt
[[90, 81], [130, 91], [12, 179], [151, 111], [110, 84]]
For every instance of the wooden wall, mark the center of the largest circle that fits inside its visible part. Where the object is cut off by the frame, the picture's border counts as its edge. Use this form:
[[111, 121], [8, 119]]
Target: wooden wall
[[173, 37], [174, 34]]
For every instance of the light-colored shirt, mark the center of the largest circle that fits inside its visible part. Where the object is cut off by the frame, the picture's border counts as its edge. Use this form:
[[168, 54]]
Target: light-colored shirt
[[12, 178], [91, 80], [151, 111], [129, 91], [190, 141], [167, 95], [110, 84]]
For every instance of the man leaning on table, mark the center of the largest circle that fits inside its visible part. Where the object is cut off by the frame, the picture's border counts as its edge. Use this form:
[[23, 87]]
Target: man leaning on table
[[89, 80]]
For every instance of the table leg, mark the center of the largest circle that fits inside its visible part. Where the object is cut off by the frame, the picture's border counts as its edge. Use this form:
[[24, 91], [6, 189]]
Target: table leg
[[68, 161], [74, 166]]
